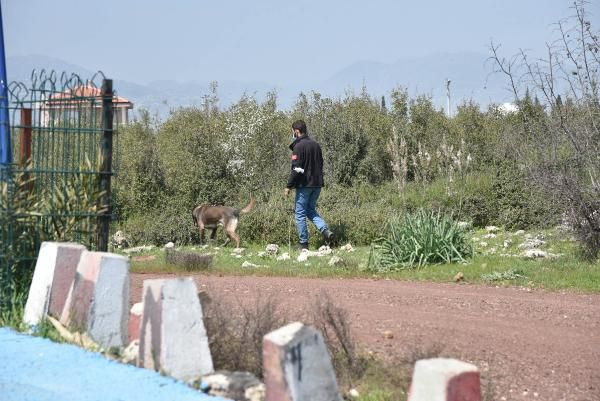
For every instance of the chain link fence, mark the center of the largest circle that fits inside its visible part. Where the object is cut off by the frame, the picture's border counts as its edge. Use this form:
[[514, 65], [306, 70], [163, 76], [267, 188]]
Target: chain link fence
[[57, 187]]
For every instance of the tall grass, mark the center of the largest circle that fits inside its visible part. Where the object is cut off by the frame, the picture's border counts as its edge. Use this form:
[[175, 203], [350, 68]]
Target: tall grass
[[420, 239]]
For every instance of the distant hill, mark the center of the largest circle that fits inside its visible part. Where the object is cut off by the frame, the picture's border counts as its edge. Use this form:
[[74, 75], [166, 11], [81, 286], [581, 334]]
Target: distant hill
[[469, 74]]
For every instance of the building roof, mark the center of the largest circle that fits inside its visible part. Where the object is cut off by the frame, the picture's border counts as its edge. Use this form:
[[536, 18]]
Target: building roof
[[84, 93]]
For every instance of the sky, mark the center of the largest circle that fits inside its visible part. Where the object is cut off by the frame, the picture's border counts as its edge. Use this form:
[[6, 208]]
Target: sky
[[278, 42]]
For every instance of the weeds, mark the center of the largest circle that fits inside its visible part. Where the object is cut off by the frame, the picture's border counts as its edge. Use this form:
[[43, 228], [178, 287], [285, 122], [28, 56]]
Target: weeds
[[235, 332], [512, 274], [420, 239]]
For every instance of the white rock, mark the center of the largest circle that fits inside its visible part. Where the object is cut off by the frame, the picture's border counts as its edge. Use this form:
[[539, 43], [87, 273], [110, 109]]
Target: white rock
[[238, 251], [483, 244], [247, 264], [169, 245], [261, 254], [348, 248], [303, 257], [272, 249], [490, 235], [534, 254], [491, 229], [507, 243], [531, 243], [130, 354], [138, 249], [284, 256]]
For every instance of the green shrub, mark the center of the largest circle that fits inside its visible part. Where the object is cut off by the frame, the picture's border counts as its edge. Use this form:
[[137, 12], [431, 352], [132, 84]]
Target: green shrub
[[420, 239]]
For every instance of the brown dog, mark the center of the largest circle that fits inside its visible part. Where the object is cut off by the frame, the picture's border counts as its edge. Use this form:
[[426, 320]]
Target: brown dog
[[206, 216]]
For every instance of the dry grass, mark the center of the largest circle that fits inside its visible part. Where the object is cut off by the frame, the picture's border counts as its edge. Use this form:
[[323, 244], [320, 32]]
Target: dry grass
[[188, 261]]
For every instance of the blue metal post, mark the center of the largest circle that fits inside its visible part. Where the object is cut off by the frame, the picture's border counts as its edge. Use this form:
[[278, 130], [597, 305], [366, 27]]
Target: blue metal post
[[5, 151]]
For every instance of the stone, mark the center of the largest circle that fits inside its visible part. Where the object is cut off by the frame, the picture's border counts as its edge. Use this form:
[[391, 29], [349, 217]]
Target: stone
[[135, 318], [284, 256], [131, 352], [169, 245], [119, 240], [459, 277], [483, 244], [173, 339], [489, 235], [303, 257], [443, 379], [491, 229], [519, 232], [324, 250], [534, 254], [247, 264], [238, 251], [507, 243], [54, 273], [353, 393], [98, 299], [297, 366], [239, 386], [272, 249], [531, 243], [388, 334], [348, 248], [138, 249]]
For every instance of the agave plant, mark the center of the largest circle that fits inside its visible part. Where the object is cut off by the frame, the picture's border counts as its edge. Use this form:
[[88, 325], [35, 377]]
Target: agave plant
[[420, 239]]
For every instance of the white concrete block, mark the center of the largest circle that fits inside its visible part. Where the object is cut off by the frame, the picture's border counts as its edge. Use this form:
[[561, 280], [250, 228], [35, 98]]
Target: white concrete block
[[173, 339], [442, 379], [297, 366], [54, 273], [98, 301]]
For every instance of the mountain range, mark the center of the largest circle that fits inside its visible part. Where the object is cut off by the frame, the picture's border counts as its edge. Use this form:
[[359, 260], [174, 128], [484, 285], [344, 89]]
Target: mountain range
[[470, 74]]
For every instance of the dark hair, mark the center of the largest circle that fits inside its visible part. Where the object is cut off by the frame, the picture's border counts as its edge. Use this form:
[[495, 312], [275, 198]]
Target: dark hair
[[300, 126]]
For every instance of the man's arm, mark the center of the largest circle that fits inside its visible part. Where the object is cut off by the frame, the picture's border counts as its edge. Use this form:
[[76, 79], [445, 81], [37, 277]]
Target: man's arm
[[297, 169]]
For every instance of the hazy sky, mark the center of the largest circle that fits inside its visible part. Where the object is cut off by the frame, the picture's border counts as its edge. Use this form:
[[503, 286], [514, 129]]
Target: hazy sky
[[277, 42]]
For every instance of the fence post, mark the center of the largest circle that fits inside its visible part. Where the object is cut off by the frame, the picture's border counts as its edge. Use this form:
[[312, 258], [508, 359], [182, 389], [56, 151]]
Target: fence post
[[106, 148], [25, 138]]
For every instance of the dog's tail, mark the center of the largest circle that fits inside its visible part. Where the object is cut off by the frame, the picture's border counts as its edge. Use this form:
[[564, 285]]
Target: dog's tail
[[249, 206]]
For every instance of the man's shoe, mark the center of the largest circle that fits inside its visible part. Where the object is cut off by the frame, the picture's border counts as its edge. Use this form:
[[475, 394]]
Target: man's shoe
[[329, 237]]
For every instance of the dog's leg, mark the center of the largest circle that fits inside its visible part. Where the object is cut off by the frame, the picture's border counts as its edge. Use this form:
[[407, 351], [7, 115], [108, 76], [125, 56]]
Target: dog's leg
[[213, 234], [201, 229], [230, 227]]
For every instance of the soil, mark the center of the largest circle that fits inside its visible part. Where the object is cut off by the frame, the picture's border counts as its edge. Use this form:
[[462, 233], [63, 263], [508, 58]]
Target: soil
[[528, 344]]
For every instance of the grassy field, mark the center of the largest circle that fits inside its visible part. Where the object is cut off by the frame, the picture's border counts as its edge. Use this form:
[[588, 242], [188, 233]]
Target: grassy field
[[497, 260]]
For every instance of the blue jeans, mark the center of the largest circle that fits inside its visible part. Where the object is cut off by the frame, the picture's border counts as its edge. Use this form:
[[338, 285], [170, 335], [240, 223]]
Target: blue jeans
[[306, 206]]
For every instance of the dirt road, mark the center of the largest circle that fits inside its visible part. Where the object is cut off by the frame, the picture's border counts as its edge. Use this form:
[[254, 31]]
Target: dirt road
[[529, 345]]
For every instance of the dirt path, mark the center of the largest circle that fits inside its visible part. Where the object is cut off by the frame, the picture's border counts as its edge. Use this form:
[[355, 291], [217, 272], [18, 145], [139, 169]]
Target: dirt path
[[528, 345]]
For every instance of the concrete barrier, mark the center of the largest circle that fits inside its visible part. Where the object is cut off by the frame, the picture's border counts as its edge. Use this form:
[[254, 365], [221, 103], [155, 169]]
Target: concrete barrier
[[441, 379], [99, 298], [54, 273], [173, 339], [297, 366]]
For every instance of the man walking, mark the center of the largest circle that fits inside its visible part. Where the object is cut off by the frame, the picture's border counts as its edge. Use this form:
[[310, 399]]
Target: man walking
[[307, 178]]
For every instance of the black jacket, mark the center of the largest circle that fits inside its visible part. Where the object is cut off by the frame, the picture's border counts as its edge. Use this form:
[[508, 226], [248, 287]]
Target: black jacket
[[307, 163]]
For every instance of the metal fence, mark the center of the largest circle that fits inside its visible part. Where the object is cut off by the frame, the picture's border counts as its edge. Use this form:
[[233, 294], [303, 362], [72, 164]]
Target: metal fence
[[58, 185]]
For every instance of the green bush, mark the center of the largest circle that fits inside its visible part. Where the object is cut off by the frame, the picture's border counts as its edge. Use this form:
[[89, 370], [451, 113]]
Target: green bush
[[420, 239]]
